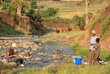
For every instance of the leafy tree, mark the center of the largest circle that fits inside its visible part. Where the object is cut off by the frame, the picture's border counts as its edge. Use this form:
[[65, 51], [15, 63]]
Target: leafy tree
[[19, 4], [14, 6], [33, 4], [8, 8], [80, 21]]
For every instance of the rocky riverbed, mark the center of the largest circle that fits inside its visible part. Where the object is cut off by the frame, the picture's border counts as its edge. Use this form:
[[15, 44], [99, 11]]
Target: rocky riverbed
[[24, 42], [38, 53]]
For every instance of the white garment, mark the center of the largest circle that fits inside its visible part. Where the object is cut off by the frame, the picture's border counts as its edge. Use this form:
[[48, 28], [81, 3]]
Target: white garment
[[93, 39], [91, 47], [93, 42]]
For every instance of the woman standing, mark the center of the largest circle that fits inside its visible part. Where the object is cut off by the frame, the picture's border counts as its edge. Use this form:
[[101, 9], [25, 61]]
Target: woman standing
[[92, 47]]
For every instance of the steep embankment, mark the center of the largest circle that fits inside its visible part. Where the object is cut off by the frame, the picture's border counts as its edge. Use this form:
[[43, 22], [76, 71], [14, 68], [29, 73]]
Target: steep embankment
[[102, 27], [24, 24], [101, 24]]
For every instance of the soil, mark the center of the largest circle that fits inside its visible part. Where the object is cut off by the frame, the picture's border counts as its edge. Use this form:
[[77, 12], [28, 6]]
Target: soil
[[107, 10]]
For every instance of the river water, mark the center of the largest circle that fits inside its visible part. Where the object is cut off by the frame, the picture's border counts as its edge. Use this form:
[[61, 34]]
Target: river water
[[50, 52]]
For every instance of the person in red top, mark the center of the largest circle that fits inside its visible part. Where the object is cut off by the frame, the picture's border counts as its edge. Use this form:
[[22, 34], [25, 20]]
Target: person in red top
[[11, 52], [12, 56]]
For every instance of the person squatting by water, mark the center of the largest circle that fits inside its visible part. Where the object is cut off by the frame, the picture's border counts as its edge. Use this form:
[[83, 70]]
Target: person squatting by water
[[12, 55]]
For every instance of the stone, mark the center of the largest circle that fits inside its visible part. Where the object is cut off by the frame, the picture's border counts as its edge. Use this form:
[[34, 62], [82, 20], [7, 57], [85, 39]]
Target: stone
[[12, 65], [38, 59]]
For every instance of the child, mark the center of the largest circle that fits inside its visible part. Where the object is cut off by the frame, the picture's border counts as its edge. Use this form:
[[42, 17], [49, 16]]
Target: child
[[97, 51]]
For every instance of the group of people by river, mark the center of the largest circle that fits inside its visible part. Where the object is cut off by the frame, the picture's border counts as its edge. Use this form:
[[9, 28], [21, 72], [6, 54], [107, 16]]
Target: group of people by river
[[94, 52]]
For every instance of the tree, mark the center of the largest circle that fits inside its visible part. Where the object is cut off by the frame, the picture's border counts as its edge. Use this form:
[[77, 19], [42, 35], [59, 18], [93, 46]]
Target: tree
[[80, 21], [33, 4], [19, 4]]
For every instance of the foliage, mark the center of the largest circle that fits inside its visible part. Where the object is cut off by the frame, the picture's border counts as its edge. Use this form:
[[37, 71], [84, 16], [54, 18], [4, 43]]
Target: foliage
[[104, 54], [8, 30], [106, 26], [2, 51], [75, 46], [33, 4], [42, 15], [8, 8], [48, 13], [32, 11], [80, 21], [82, 52]]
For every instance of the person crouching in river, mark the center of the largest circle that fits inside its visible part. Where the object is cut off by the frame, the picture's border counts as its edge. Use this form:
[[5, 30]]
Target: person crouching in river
[[12, 56], [92, 47]]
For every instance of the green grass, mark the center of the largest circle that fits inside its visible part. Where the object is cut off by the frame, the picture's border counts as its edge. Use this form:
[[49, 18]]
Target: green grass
[[75, 46], [62, 35], [3, 51], [85, 51], [69, 67], [82, 52], [6, 30], [104, 54], [66, 69]]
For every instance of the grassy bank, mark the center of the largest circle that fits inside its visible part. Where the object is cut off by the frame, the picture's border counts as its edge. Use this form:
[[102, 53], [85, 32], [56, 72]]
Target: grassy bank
[[79, 50], [66, 69], [62, 35], [6, 30]]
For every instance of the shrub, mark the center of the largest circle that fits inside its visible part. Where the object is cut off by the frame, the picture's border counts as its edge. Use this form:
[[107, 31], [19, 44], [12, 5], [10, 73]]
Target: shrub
[[104, 54], [82, 52], [75, 46], [6, 30], [80, 21], [8, 8], [48, 13]]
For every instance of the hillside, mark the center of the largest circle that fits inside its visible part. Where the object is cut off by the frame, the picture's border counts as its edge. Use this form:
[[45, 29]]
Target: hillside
[[101, 24], [68, 9], [102, 27]]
